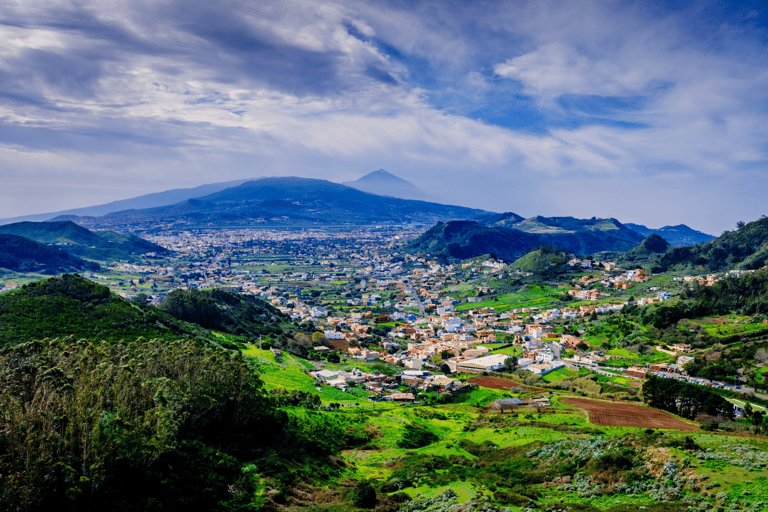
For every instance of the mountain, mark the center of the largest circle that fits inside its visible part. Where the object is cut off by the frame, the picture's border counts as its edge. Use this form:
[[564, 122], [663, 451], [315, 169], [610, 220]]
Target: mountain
[[286, 201], [21, 254], [467, 239], [385, 184], [146, 201], [99, 245], [678, 236]]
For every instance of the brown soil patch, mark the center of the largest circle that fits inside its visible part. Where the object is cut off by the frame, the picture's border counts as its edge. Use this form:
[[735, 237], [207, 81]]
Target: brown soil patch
[[620, 414], [499, 383], [634, 384], [494, 383]]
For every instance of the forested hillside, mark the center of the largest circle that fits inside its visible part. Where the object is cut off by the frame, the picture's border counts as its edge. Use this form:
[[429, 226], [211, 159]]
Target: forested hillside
[[23, 255], [98, 245], [70, 305], [150, 426], [746, 248]]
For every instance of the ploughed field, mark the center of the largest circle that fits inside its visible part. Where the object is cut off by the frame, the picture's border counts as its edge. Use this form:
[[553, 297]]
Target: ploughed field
[[627, 415], [499, 383], [494, 383]]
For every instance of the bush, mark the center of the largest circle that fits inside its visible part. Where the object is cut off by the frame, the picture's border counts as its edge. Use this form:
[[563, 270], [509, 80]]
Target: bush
[[416, 436], [364, 495]]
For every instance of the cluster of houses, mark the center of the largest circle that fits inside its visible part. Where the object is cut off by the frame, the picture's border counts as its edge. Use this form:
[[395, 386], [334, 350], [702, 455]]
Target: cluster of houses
[[386, 387], [6, 287]]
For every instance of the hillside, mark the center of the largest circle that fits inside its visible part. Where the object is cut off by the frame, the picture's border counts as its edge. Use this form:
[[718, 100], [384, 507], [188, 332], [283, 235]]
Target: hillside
[[678, 236], [543, 261], [302, 201], [20, 254], [744, 248], [98, 245], [646, 254], [223, 310], [70, 305], [467, 239]]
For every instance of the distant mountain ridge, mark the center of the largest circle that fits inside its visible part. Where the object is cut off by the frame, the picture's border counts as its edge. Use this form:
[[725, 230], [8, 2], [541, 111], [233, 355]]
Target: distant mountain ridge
[[145, 201], [286, 201], [678, 236], [386, 184]]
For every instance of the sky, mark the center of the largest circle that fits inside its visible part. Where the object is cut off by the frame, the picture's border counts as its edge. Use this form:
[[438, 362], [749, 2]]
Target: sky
[[651, 112]]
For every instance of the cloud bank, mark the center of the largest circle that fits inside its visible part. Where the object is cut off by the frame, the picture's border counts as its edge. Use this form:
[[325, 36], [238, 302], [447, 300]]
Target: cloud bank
[[580, 108]]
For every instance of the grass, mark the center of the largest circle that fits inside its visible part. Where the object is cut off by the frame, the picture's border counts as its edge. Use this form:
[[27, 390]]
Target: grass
[[561, 374], [537, 296]]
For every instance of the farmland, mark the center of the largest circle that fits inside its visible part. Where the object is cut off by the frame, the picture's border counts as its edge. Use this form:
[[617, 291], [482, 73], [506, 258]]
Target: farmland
[[627, 415]]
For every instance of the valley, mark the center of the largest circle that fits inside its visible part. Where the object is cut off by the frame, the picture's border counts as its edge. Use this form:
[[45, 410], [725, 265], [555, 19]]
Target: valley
[[450, 377]]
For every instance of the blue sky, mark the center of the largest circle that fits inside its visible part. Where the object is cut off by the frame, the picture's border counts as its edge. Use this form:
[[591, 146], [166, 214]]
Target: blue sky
[[650, 112]]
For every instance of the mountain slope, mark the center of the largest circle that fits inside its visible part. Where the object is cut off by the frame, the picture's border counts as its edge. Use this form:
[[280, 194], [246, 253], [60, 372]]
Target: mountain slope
[[23, 255], [467, 239], [385, 184], [100, 245], [146, 201], [678, 236], [288, 201], [745, 248]]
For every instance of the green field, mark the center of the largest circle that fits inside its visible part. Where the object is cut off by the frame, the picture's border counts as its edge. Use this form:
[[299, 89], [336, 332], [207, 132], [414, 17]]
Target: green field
[[538, 296]]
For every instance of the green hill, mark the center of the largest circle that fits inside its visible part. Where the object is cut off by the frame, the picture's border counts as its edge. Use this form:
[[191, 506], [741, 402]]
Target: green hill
[[20, 254], [467, 239], [543, 260], [97, 245], [70, 305], [745, 248]]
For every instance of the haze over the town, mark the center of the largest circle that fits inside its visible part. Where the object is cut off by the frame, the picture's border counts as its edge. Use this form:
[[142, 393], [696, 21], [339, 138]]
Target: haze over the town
[[649, 112]]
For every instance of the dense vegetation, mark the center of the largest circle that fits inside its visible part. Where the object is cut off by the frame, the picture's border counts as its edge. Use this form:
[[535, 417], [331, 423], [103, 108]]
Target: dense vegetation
[[467, 239], [687, 400], [224, 311], [545, 262], [146, 425], [70, 305], [745, 248], [23, 255], [746, 295]]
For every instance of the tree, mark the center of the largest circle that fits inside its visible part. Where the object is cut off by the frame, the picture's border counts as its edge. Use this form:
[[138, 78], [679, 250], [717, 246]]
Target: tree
[[510, 364], [740, 224]]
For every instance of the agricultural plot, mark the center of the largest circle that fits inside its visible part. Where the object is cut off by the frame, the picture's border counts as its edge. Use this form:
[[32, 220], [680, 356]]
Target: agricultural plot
[[534, 296], [494, 383], [627, 415]]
